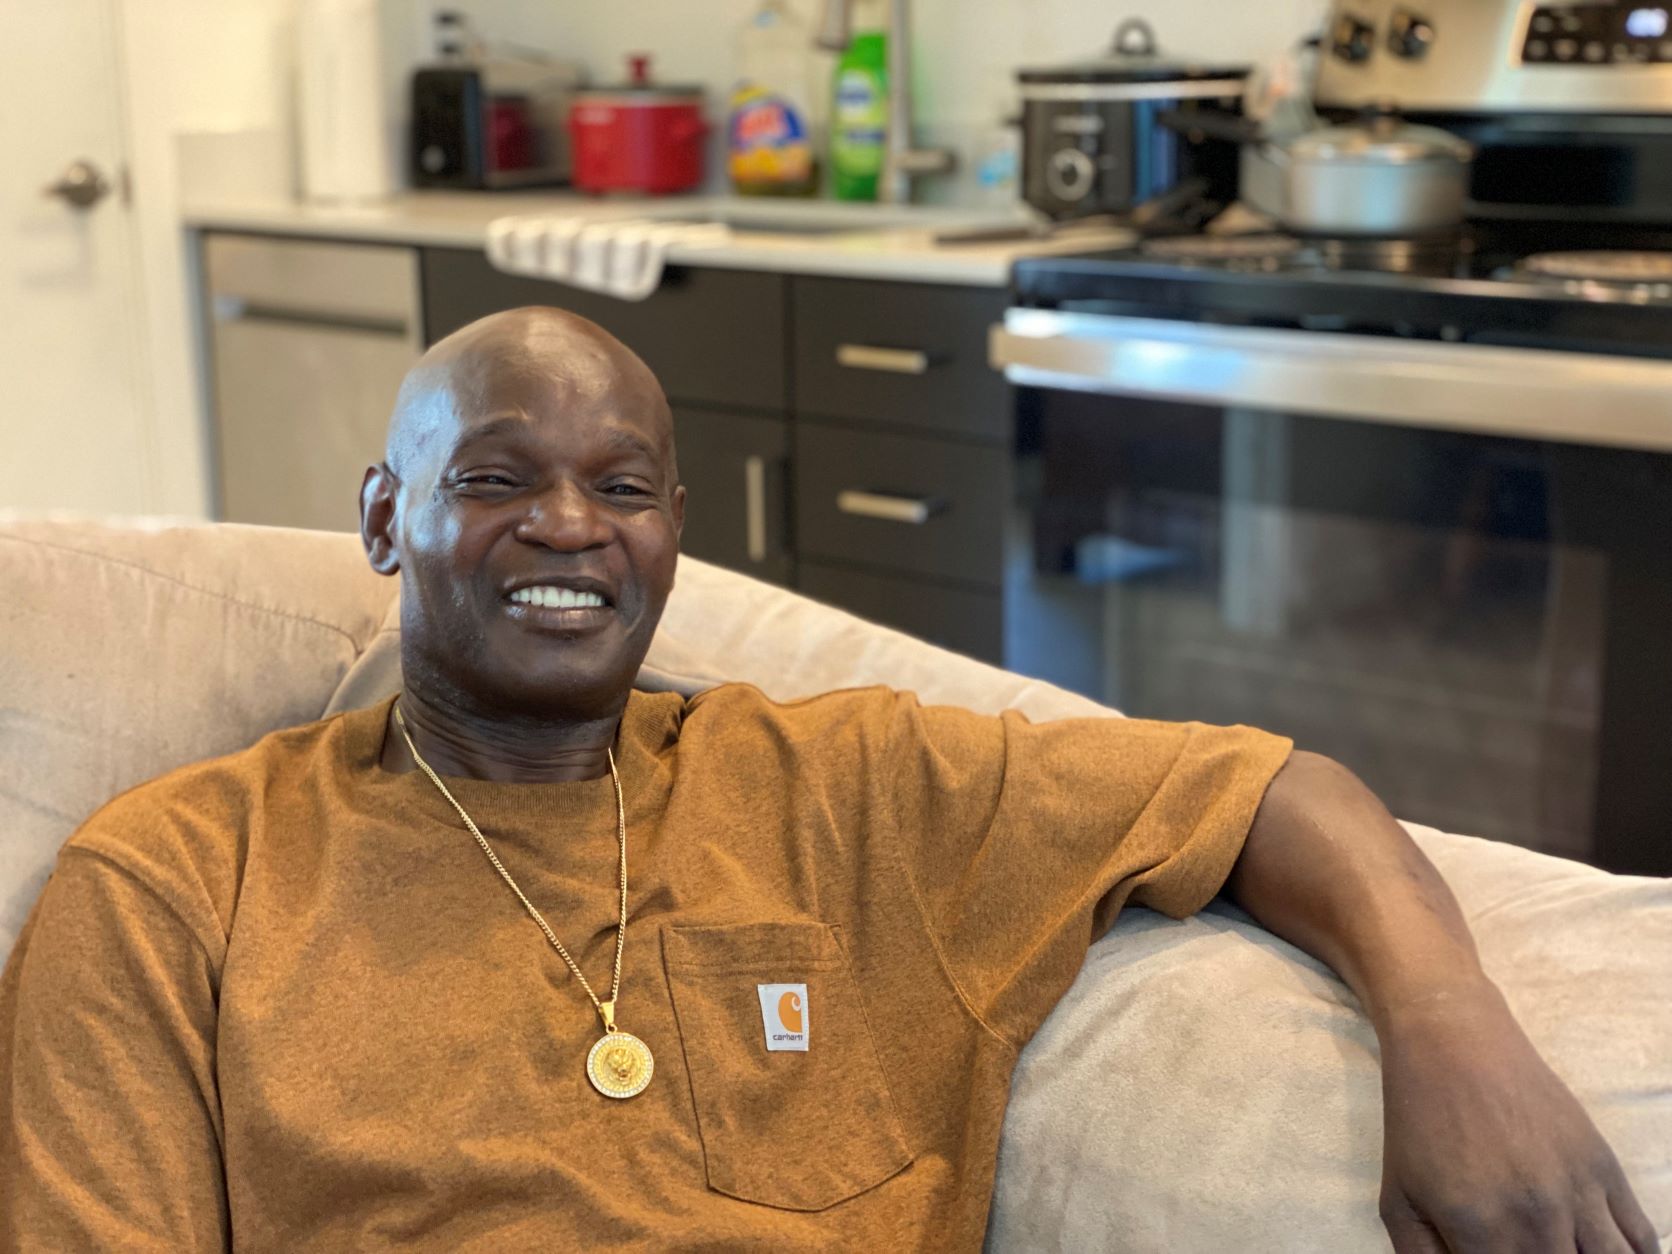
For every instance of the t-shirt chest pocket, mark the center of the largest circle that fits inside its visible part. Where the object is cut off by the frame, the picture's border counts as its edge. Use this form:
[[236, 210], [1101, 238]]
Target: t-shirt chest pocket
[[792, 1127]]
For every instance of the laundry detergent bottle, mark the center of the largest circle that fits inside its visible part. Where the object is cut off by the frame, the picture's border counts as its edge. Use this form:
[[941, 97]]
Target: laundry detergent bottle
[[773, 137], [859, 115]]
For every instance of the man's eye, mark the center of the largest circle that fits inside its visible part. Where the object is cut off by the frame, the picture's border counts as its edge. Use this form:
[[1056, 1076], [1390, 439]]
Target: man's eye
[[490, 481], [625, 489]]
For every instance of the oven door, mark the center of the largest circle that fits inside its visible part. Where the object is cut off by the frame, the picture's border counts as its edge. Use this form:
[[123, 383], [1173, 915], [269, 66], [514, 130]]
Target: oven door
[[1448, 566]]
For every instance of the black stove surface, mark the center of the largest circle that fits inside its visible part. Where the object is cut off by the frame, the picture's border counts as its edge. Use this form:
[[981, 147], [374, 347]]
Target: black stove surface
[[1588, 289]]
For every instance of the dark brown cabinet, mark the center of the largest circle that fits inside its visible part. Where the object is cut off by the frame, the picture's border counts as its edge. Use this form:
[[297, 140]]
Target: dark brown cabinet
[[713, 337], [889, 502], [735, 468], [912, 355]]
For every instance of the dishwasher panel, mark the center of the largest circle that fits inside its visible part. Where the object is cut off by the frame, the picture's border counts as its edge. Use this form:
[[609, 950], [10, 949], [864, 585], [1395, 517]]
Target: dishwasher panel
[[309, 344]]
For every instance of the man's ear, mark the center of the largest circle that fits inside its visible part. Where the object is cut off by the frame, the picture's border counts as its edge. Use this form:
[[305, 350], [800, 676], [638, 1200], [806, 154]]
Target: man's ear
[[377, 518], [678, 504]]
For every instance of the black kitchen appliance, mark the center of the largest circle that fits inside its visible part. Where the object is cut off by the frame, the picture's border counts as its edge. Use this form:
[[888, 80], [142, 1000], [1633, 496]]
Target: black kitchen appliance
[[1108, 135], [491, 123]]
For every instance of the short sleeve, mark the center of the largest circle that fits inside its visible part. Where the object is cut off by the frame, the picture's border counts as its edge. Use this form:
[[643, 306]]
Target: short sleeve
[[109, 1114], [1024, 841]]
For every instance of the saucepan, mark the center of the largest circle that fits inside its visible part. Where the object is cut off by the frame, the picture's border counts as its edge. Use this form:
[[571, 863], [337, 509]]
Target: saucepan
[[1376, 175], [1379, 175]]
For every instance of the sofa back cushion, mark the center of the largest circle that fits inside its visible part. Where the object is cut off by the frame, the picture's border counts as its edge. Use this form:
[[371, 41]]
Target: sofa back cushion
[[128, 648]]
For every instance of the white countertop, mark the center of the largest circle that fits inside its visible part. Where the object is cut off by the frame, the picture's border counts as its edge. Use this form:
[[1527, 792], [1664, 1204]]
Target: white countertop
[[859, 241]]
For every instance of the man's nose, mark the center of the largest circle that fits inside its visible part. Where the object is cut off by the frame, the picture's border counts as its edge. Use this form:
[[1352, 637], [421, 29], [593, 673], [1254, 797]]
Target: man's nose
[[566, 517]]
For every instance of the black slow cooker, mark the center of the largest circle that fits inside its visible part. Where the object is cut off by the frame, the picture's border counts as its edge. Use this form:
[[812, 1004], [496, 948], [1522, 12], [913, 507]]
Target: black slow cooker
[[1108, 135]]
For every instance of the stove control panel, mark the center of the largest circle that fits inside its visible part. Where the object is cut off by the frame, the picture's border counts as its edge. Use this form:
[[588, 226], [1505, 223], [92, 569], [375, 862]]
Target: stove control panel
[[1598, 35]]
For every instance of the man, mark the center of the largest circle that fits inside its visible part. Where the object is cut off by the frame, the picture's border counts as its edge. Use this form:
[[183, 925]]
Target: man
[[523, 958]]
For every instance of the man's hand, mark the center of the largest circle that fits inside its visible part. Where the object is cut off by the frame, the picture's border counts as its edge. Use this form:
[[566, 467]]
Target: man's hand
[[1485, 1149]]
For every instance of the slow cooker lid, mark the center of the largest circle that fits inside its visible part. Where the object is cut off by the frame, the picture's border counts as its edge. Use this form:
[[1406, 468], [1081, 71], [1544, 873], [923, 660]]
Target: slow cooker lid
[[1133, 58], [640, 89]]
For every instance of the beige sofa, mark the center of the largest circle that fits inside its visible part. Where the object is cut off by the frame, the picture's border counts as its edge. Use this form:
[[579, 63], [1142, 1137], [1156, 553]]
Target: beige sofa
[[1202, 1087]]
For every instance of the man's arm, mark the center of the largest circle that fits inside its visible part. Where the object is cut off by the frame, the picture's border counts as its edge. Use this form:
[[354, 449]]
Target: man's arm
[[109, 1110], [1485, 1149]]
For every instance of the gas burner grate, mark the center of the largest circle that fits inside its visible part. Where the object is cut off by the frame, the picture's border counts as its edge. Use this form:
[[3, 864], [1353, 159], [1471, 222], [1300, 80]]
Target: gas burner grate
[[1225, 250], [1434, 255], [1422, 255], [1598, 266]]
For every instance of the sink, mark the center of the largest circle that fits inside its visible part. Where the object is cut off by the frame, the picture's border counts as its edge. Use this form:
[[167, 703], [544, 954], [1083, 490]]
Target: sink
[[767, 225]]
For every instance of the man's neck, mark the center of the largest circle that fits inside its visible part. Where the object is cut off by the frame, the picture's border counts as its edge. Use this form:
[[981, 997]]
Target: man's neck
[[465, 743]]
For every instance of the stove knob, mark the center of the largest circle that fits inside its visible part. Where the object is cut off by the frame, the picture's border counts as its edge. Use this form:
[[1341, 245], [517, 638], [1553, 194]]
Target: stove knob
[[1069, 174], [1410, 36], [1353, 38]]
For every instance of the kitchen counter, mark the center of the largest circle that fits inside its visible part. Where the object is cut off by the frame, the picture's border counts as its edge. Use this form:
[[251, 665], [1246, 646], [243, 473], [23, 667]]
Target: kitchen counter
[[904, 243]]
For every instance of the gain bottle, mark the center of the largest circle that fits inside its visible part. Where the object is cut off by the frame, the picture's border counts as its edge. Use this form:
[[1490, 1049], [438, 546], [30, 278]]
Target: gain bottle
[[771, 138], [859, 120]]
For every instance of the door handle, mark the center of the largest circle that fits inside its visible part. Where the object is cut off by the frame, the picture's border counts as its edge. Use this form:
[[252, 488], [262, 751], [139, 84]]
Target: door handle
[[890, 360], [754, 506], [80, 185], [887, 507]]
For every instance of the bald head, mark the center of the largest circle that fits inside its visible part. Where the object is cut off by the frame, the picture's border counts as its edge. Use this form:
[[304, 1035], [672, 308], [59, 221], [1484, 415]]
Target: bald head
[[529, 450], [535, 348]]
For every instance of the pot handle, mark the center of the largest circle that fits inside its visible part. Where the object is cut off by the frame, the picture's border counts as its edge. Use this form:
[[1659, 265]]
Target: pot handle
[[1124, 33], [1210, 123]]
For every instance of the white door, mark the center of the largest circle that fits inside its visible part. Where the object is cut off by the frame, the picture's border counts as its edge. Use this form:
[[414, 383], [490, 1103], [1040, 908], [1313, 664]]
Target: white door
[[73, 431]]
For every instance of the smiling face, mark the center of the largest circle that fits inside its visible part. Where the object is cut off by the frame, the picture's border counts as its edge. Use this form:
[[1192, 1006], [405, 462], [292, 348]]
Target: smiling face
[[530, 503]]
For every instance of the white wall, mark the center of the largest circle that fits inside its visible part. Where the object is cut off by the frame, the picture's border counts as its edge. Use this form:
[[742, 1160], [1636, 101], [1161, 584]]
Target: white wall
[[967, 50], [191, 66]]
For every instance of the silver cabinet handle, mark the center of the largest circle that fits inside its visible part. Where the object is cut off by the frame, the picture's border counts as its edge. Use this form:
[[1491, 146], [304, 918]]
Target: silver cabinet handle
[[915, 510], [891, 360], [754, 506]]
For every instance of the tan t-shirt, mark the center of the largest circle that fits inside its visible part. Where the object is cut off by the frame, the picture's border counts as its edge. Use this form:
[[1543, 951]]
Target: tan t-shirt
[[283, 999]]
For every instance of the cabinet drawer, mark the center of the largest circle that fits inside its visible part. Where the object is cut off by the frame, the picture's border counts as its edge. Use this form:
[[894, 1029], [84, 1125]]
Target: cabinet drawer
[[904, 503], [908, 353], [713, 337], [966, 622], [735, 468]]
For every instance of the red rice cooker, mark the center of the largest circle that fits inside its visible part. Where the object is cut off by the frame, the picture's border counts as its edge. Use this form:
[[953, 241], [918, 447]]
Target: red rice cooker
[[641, 137]]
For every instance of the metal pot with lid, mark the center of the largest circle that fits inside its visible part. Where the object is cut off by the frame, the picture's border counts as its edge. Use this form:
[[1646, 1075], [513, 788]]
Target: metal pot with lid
[[1104, 135], [1379, 175]]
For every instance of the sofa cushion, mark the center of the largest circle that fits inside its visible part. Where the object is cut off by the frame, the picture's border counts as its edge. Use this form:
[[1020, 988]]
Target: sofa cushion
[[1205, 1086], [129, 649]]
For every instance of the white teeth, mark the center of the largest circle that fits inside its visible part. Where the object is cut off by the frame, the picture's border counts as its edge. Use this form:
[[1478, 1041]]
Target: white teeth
[[548, 597]]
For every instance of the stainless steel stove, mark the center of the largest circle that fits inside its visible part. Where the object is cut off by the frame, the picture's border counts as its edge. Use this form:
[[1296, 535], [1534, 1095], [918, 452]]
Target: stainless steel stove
[[1408, 501]]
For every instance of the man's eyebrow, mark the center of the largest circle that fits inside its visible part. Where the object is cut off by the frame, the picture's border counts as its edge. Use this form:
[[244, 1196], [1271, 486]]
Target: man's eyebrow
[[510, 424], [631, 442]]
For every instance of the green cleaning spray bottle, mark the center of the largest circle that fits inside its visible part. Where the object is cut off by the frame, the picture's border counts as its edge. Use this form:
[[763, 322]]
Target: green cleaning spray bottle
[[859, 118]]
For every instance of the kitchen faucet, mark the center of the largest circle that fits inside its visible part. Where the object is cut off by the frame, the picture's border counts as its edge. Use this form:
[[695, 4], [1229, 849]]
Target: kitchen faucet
[[901, 160]]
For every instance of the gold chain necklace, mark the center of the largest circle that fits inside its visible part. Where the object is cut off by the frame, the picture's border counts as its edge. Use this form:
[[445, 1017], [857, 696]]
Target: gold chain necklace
[[619, 1063]]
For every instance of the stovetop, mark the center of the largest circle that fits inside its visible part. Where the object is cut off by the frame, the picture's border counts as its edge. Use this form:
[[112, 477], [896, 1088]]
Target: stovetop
[[1545, 285]]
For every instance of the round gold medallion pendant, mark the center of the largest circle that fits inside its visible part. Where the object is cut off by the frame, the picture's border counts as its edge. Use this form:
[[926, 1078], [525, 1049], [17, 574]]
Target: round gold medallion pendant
[[620, 1065]]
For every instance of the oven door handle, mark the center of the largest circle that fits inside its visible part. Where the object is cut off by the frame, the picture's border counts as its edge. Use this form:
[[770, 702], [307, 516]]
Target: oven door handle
[[1583, 398]]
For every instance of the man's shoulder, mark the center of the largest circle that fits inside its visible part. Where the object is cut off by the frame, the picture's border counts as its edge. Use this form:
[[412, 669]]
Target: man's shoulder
[[212, 797], [742, 703]]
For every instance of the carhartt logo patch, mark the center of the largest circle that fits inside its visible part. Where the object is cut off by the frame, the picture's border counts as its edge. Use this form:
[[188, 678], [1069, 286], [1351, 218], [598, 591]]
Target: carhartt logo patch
[[784, 1015]]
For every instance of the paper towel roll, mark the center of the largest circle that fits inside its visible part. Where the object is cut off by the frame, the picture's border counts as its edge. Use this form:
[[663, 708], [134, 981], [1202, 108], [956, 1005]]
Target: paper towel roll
[[344, 116]]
